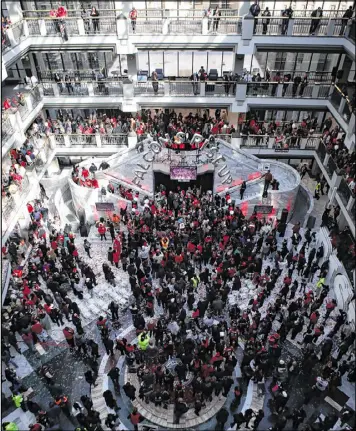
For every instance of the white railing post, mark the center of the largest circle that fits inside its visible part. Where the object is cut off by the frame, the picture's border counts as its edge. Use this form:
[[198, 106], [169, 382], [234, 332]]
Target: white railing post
[[303, 143], [66, 141], [52, 141], [165, 26], [205, 30], [98, 140], [241, 90], [81, 28], [10, 35], [28, 102], [315, 90], [202, 89], [279, 90], [90, 87], [247, 27], [42, 26], [122, 28], [55, 90], [330, 28], [270, 143], [166, 88], [26, 30], [290, 27]]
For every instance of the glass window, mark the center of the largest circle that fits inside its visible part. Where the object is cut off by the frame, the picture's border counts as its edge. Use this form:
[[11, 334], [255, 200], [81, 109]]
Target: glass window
[[67, 60], [52, 61], [185, 64], [215, 61], [156, 60], [170, 63], [143, 63], [227, 62], [199, 60]]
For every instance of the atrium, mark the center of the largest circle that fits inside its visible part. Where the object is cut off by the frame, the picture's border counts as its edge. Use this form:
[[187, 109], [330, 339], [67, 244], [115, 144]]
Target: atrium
[[178, 215]]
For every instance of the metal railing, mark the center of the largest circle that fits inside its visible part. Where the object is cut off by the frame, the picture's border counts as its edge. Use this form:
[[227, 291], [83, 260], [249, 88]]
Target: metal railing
[[108, 88], [185, 26], [33, 27], [312, 142], [149, 88], [103, 25], [6, 127], [74, 89], [35, 97], [114, 140], [226, 25], [270, 89], [146, 26], [344, 191], [253, 141], [184, 88], [82, 140], [47, 89], [59, 140]]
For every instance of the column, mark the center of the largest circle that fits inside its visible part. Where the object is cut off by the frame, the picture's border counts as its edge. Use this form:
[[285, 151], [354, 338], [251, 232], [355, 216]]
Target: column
[[236, 141], [205, 25], [202, 89], [66, 141], [42, 25], [90, 87], [290, 27], [98, 141], [331, 27], [315, 91], [166, 88], [247, 28], [279, 90], [81, 27], [165, 26], [122, 27], [241, 90], [14, 10]]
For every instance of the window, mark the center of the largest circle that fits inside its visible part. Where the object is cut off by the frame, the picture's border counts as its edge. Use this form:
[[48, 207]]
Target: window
[[199, 60], [93, 60], [185, 63], [52, 61], [280, 61], [170, 63], [143, 62]]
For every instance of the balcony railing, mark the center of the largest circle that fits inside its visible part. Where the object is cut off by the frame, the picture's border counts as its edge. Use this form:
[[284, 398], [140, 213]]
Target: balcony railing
[[321, 151], [190, 24], [146, 26], [108, 88], [274, 89], [82, 140], [114, 140], [344, 191], [5, 41], [6, 127], [149, 88], [255, 141]]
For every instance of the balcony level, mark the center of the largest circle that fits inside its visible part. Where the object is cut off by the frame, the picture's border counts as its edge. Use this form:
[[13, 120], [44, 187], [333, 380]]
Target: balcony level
[[235, 32]]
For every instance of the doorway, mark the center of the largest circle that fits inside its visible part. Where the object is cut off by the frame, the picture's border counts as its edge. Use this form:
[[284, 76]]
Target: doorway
[[205, 181]]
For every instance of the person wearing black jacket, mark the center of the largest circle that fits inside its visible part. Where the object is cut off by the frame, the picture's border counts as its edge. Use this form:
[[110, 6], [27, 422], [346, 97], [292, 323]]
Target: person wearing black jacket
[[296, 82], [347, 15], [317, 13], [287, 15], [95, 19], [255, 11], [221, 418], [265, 21]]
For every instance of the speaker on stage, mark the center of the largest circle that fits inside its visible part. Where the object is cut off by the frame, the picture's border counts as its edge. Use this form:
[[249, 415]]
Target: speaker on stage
[[284, 216]]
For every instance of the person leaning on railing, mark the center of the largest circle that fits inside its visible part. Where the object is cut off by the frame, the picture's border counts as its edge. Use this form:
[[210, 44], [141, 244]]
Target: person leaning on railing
[[345, 18]]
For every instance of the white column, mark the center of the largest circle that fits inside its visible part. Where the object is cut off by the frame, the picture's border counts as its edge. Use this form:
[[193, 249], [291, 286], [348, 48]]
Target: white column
[[166, 88], [98, 141], [42, 25], [290, 27], [165, 26], [205, 25], [55, 90], [10, 35], [14, 10], [90, 87], [202, 89], [315, 91], [241, 90], [122, 28], [247, 27], [270, 143], [66, 141], [81, 27], [279, 90], [331, 27]]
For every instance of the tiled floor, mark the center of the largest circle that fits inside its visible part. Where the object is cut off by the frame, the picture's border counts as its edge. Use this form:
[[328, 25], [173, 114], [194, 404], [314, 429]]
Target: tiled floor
[[319, 205]]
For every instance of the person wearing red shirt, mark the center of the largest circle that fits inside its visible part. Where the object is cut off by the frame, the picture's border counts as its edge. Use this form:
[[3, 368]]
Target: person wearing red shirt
[[135, 418], [102, 231]]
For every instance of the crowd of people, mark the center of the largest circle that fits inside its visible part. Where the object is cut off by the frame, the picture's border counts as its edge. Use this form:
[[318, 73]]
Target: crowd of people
[[5, 25], [187, 256]]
